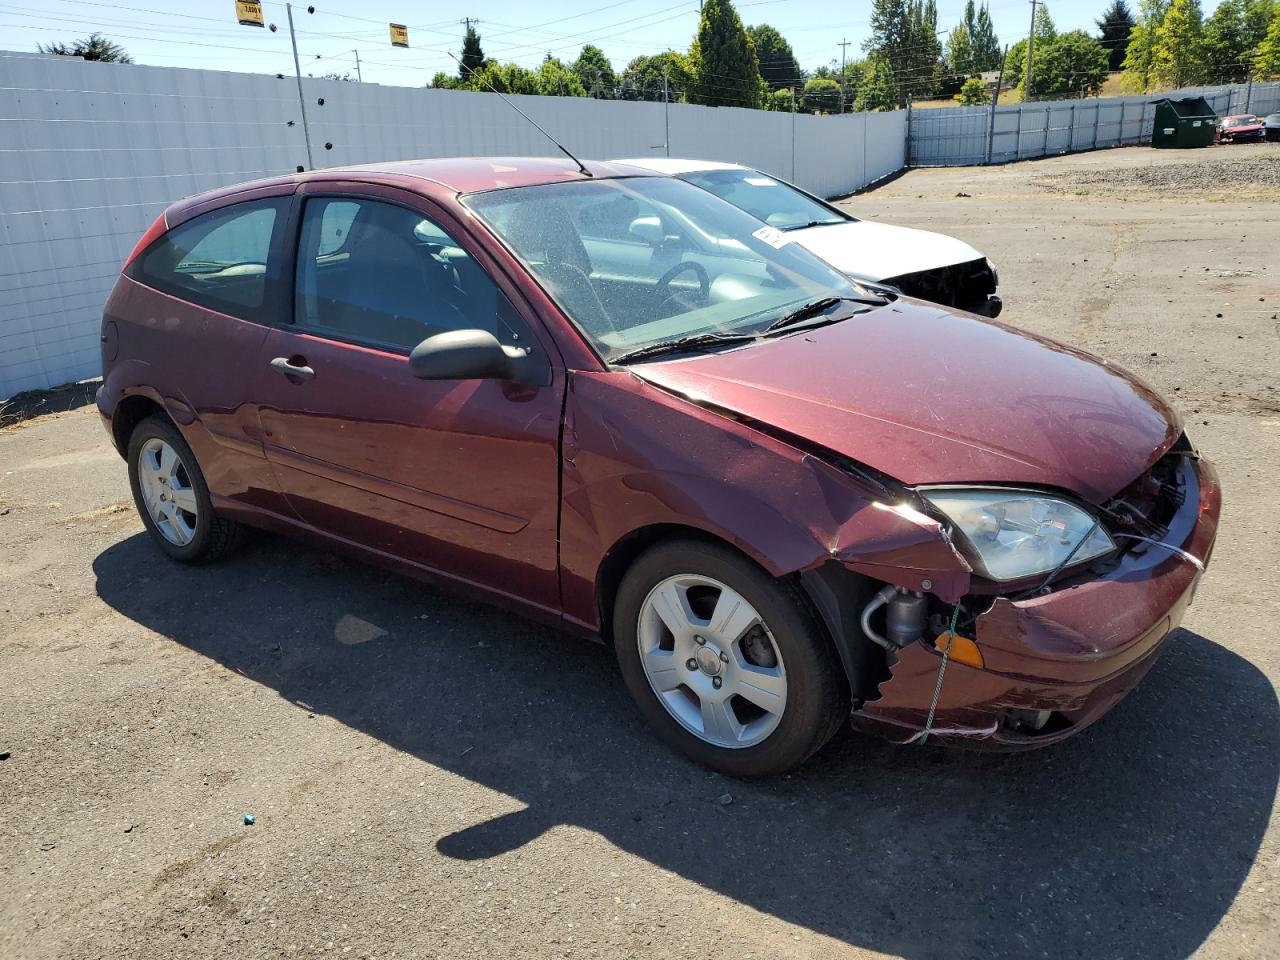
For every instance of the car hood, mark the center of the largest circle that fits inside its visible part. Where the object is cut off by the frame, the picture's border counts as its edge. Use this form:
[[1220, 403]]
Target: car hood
[[931, 396], [878, 251]]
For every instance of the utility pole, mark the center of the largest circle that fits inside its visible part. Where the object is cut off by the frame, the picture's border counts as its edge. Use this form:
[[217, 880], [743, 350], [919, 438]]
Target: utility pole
[[666, 111], [995, 98], [843, 45], [1031, 42], [302, 101], [359, 75], [793, 134]]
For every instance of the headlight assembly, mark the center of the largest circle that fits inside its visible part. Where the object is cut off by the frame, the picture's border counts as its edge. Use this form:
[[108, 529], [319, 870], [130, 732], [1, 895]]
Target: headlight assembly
[[1013, 534]]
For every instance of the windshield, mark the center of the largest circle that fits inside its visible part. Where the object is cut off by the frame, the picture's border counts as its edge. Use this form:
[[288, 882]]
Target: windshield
[[765, 198], [637, 262], [1241, 122]]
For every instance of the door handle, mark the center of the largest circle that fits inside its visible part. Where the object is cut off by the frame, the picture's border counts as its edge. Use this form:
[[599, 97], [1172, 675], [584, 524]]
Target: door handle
[[283, 365]]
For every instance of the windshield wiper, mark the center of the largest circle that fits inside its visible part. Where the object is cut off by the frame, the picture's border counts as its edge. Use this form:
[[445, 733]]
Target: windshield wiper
[[681, 344], [815, 308], [812, 223]]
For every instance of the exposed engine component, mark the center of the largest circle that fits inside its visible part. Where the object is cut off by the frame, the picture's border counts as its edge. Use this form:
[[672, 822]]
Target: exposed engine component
[[905, 617]]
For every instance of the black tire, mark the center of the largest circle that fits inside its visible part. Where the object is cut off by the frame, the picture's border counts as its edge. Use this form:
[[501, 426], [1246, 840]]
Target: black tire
[[215, 536], [817, 696]]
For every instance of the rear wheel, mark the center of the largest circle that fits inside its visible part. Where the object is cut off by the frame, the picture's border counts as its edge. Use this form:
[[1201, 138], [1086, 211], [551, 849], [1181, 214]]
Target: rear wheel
[[728, 664], [172, 497]]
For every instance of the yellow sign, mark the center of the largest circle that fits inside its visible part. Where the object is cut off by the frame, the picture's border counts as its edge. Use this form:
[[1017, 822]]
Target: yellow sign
[[249, 13], [399, 35]]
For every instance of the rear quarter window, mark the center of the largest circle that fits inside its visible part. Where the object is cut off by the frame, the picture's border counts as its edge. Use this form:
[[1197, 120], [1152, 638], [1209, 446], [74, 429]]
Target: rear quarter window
[[222, 260]]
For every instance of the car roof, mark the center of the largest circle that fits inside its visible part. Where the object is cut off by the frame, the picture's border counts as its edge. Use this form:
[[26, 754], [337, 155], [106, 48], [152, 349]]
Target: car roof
[[473, 174], [670, 166], [434, 177]]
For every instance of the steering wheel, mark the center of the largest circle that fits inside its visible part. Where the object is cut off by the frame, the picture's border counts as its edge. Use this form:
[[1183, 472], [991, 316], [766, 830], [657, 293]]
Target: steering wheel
[[685, 266]]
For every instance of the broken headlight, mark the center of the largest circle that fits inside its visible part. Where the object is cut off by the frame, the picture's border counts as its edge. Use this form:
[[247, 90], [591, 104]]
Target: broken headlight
[[1012, 534]]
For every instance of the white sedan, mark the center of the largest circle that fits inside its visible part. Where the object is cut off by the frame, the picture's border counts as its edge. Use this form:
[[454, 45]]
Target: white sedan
[[930, 266]]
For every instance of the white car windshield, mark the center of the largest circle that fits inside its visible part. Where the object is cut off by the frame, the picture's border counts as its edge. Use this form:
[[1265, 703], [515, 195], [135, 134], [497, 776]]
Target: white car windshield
[[768, 200], [641, 262]]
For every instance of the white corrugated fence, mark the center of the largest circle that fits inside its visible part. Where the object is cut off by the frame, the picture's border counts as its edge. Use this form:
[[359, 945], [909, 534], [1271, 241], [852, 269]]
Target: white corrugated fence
[[90, 153]]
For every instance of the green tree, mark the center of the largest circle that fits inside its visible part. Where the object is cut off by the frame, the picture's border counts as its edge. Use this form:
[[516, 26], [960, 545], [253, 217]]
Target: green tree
[[595, 72], [93, 47], [443, 81], [472, 55], [821, 95], [1114, 27], [1070, 65], [643, 77], [1045, 33], [777, 61], [985, 43], [878, 89], [1177, 59], [959, 55], [781, 100], [1015, 64], [725, 68], [1258, 17], [904, 35], [973, 93], [554, 79], [1139, 58], [503, 77], [1226, 57], [1266, 62]]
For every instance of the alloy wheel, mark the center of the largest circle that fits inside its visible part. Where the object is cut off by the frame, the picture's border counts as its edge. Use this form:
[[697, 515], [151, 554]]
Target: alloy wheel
[[167, 491], [711, 660]]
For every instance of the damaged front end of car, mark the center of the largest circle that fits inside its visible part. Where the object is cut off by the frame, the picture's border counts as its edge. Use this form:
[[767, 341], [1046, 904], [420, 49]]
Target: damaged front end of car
[[961, 657]]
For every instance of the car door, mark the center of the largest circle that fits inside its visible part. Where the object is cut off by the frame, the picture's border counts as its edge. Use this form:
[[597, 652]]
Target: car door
[[458, 476]]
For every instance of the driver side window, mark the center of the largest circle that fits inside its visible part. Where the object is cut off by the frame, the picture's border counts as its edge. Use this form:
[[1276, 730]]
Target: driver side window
[[377, 273]]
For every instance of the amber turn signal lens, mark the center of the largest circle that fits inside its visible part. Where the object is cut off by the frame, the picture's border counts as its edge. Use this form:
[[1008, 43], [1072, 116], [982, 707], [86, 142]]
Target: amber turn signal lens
[[963, 650]]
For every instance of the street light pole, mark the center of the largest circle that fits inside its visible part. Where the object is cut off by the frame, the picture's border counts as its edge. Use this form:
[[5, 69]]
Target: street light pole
[[359, 75]]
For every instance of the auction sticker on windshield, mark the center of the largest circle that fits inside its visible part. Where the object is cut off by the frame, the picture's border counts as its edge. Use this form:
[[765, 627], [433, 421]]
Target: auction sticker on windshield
[[772, 236]]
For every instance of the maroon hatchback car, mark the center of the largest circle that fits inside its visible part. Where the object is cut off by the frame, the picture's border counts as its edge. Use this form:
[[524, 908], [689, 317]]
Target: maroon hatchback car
[[616, 402]]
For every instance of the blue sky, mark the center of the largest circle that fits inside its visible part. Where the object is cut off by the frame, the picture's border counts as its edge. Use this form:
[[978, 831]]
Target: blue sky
[[204, 33]]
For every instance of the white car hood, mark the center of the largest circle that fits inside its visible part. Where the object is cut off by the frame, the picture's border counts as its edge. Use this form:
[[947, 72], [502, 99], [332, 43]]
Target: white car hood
[[877, 251]]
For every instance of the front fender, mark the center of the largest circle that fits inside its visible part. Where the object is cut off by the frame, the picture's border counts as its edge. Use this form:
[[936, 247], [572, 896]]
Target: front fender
[[636, 456]]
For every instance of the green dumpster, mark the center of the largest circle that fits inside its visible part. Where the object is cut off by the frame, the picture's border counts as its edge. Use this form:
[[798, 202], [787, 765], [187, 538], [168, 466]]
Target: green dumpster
[[1189, 122]]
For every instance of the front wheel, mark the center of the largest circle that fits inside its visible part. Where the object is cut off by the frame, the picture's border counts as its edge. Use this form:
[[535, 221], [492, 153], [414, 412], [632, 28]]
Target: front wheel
[[728, 665], [172, 497]]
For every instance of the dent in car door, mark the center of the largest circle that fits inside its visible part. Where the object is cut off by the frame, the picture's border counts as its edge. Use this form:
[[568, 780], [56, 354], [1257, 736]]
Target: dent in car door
[[459, 476]]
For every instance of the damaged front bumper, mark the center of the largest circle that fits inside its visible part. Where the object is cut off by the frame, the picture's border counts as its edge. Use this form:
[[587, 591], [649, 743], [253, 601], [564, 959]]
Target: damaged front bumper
[[1067, 657]]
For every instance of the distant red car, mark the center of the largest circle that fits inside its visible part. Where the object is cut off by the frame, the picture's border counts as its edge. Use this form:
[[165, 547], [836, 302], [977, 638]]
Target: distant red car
[[621, 404], [1240, 128]]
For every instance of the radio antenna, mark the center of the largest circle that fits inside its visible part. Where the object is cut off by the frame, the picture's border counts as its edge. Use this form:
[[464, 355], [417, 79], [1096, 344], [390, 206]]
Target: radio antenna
[[509, 102]]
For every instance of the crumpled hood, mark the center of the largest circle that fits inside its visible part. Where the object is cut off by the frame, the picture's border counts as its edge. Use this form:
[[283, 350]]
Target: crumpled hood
[[878, 251], [930, 396]]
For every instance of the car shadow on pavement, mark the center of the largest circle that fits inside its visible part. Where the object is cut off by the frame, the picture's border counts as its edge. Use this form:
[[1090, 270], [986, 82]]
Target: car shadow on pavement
[[1129, 840]]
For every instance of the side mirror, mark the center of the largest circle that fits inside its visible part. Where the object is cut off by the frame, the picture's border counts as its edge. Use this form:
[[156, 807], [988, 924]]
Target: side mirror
[[475, 355], [649, 229]]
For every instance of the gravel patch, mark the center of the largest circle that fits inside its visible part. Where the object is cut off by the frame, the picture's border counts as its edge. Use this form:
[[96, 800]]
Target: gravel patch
[[1210, 175]]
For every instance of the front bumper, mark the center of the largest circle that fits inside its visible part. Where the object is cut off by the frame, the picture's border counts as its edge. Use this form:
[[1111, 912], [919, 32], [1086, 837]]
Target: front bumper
[[1075, 652]]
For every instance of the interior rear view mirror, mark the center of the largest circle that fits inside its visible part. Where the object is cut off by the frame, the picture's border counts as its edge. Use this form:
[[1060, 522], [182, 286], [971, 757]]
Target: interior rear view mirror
[[648, 229]]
